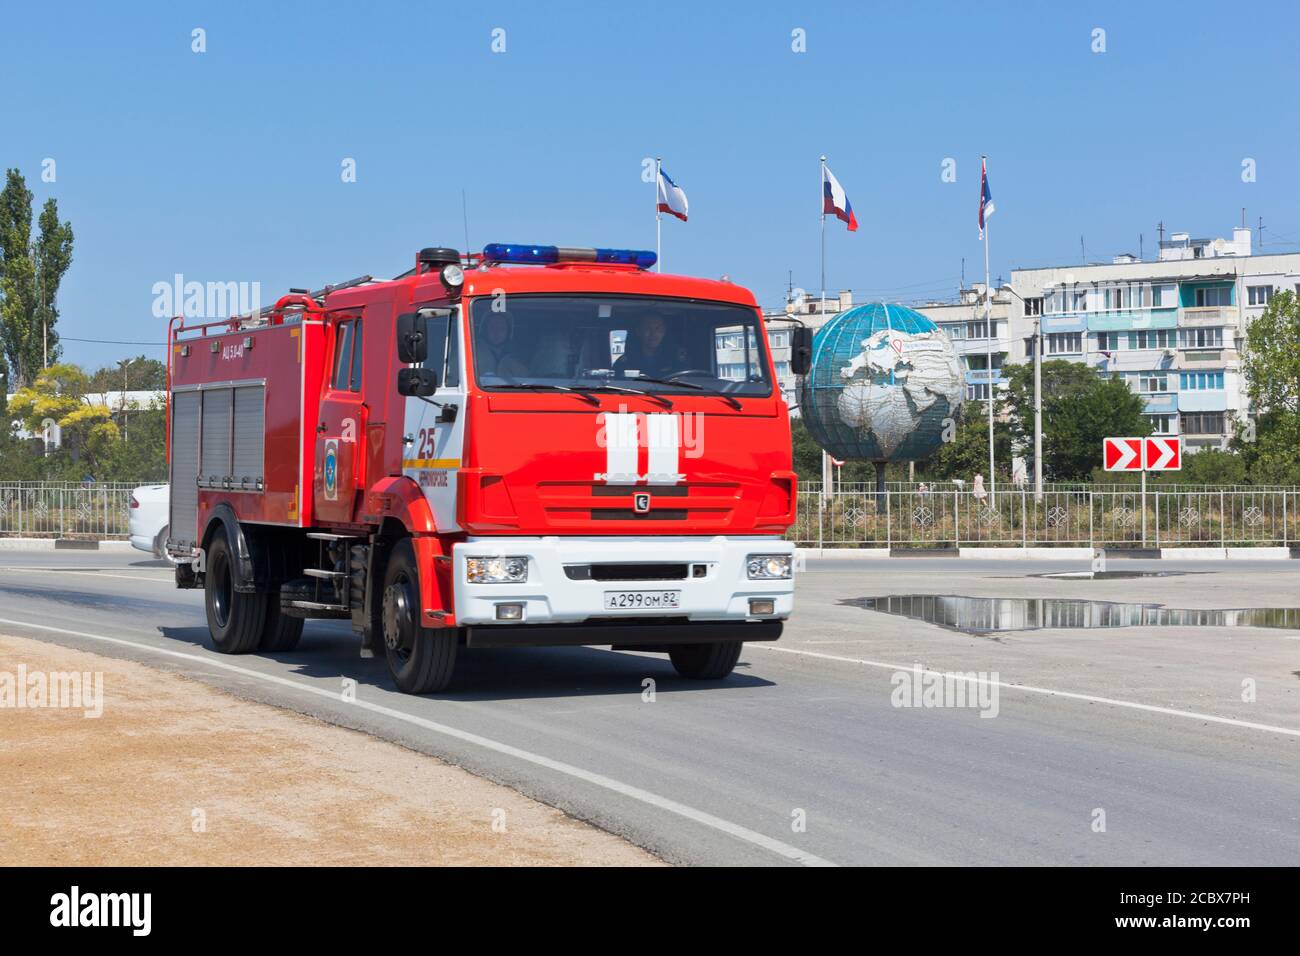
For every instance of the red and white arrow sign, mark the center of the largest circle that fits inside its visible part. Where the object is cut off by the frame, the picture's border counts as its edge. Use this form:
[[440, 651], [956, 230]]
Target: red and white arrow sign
[[1122, 454], [1163, 454]]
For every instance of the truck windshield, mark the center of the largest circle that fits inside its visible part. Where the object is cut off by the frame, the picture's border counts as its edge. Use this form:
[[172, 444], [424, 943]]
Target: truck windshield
[[656, 345]]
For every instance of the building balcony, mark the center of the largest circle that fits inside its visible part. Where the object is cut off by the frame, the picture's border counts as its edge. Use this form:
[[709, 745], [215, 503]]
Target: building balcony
[[1203, 400], [1215, 315], [1160, 403], [977, 376], [1133, 319]]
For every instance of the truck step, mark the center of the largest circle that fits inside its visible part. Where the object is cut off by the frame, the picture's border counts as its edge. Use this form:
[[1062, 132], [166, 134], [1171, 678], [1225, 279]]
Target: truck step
[[330, 536], [327, 575], [317, 606]]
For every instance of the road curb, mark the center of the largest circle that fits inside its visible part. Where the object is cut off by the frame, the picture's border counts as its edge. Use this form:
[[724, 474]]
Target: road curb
[[60, 544]]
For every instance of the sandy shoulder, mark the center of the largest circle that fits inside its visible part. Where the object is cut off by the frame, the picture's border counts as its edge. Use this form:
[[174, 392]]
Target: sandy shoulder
[[175, 772]]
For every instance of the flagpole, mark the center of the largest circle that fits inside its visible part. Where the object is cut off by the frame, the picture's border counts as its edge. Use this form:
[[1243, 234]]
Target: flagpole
[[821, 187], [988, 326], [659, 262]]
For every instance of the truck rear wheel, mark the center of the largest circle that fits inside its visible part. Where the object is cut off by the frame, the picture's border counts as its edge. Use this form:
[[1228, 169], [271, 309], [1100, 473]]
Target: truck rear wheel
[[422, 660], [712, 661], [236, 619], [280, 632]]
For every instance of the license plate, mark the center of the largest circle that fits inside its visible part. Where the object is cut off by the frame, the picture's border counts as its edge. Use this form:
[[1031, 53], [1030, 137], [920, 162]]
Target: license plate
[[641, 600]]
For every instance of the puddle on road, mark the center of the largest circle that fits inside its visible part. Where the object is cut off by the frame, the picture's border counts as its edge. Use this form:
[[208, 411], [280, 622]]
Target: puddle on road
[[985, 615]]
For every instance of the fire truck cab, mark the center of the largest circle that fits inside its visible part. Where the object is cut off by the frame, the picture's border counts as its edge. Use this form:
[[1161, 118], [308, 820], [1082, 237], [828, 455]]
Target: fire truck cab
[[529, 446]]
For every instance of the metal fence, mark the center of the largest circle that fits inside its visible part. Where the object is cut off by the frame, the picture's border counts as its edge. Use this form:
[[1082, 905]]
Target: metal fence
[[53, 510], [1104, 517]]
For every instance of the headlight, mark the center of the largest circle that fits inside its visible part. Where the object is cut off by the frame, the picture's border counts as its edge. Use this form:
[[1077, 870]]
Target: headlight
[[767, 567], [496, 570], [453, 276]]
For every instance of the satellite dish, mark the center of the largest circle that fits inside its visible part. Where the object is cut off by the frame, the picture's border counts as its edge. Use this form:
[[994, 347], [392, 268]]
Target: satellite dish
[[1219, 244]]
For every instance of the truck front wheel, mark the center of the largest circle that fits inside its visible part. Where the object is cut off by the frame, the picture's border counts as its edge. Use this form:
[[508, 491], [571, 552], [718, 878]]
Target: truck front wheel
[[236, 619], [712, 661], [421, 659]]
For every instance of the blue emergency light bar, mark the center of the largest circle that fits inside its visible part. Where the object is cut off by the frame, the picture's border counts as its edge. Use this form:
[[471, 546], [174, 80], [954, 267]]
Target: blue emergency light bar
[[549, 255]]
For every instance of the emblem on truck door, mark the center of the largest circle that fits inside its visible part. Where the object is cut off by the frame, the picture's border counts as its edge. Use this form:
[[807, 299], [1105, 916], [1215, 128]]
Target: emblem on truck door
[[331, 467], [641, 503]]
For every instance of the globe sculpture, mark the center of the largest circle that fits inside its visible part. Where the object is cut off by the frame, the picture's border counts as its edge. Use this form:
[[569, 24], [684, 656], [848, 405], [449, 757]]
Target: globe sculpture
[[885, 382]]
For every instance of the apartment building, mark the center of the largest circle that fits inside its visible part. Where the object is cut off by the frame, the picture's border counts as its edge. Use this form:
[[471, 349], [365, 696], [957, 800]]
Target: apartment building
[[1172, 328]]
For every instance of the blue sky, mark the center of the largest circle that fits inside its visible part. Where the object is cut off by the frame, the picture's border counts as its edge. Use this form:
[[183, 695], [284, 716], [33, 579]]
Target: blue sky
[[225, 165]]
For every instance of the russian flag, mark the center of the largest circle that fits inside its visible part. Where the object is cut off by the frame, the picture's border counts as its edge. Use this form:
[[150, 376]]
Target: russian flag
[[986, 195], [835, 200], [672, 199]]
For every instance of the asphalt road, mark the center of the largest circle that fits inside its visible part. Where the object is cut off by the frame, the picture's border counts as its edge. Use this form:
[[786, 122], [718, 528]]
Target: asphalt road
[[801, 756]]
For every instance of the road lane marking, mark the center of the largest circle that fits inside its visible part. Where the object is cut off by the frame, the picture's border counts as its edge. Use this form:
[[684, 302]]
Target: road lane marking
[[1028, 688], [735, 830], [95, 574]]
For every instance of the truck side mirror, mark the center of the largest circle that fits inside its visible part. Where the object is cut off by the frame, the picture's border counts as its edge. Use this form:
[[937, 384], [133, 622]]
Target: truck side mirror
[[801, 338], [412, 338], [417, 381]]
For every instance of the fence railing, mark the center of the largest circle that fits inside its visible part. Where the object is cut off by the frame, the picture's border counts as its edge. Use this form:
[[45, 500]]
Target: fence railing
[[1105, 517], [46, 510]]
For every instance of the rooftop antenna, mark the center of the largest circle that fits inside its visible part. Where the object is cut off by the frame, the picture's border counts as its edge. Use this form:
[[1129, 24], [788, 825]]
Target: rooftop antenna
[[1083, 254], [1243, 217], [1261, 232], [963, 274], [1141, 252], [464, 212], [1160, 228]]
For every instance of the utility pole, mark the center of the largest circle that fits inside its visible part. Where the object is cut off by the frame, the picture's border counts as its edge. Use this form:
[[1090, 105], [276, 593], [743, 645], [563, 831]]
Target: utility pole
[[1038, 408]]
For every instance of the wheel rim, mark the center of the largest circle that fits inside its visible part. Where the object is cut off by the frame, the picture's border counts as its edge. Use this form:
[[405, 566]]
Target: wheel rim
[[399, 618], [223, 590]]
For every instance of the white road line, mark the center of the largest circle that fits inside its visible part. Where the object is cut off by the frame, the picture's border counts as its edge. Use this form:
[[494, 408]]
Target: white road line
[[1090, 698], [792, 853], [158, 579]]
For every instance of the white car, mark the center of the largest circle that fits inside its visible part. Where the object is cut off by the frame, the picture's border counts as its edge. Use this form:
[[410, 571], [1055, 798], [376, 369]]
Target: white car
[[148, 522]]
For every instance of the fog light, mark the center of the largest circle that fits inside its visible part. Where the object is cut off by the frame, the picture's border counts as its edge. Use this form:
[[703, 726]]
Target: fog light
[[515, 612], [762, 606], [506, 570]]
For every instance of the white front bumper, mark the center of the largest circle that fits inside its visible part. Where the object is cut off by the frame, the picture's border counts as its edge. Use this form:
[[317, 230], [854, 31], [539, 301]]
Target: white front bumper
[[550, 596]]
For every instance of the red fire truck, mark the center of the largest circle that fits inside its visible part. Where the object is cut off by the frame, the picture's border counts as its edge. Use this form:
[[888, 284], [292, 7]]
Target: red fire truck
[[529, 446]]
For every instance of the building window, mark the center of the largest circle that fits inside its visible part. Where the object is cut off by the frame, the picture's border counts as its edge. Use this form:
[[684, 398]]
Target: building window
[[1034, 306], [1152, 382], [1200, 381], [1151, 339], [1259, 294], [1161, 424], [1201, 338], [1109, 342], [977, 330], [1162, 296], [1065, 343], [779, 339], [977, 393], [1201, 423], [1214, 296]]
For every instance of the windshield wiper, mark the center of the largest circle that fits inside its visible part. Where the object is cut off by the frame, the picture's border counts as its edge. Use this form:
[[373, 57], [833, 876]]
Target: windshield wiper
[[674, 380], [663, 400], [583, 393]]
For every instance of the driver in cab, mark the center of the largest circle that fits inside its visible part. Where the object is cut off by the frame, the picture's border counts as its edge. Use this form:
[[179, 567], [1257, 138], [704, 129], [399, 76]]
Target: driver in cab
[[648, 353], [495, 353]]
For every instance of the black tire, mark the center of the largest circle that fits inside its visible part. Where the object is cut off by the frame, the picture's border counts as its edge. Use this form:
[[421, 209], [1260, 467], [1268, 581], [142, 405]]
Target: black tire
[[236, 619], [422, 660], [280, 632], [712, 661]]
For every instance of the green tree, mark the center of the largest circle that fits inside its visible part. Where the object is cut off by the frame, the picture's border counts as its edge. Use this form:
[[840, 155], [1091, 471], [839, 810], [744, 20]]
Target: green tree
[[965, 451], [59, 393], [140, 374], [30, 274], [1271, 359], [1080, 408]]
